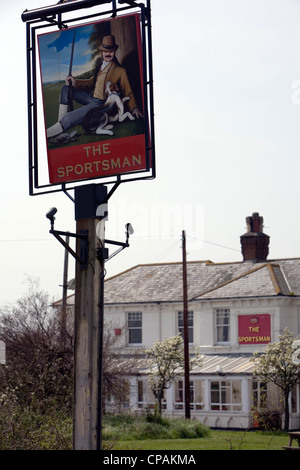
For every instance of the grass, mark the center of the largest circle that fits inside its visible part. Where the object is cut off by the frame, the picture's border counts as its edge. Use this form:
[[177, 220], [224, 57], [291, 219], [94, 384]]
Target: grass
[[217, 440], [125, 432]]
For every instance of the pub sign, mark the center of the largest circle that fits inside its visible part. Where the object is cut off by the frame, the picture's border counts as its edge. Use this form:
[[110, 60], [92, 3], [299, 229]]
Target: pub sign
[[92, 89], [254, 329]]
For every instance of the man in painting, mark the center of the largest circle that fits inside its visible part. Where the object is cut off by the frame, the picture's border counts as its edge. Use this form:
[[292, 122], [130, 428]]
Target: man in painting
[[91, 92]]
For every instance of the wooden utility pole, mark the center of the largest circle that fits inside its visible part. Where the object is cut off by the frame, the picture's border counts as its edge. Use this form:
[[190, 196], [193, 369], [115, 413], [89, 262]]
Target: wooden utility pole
[[87, 341], [89, 306], [185, 331]]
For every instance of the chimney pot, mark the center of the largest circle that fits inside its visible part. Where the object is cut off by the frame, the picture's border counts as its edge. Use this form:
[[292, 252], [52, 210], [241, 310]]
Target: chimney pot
[[255, 243]]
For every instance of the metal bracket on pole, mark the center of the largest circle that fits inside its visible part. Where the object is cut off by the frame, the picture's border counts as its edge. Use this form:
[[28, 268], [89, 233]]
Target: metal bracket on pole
[[102, 253], [83, 236]]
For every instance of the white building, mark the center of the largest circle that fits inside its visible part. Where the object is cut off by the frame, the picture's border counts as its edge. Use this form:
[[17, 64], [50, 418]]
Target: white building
[[234, 310]]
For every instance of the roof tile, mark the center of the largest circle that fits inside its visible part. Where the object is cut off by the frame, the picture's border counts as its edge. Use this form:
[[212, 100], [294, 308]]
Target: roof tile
[[163, 282]]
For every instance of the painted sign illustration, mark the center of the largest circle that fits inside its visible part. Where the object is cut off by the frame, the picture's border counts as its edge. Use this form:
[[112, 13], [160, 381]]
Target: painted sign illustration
[[254, 329], [93, 99]]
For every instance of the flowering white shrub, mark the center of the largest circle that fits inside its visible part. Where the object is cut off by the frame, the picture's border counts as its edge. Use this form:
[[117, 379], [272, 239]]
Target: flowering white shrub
[[279, 364], [296, 354], [166, 364]]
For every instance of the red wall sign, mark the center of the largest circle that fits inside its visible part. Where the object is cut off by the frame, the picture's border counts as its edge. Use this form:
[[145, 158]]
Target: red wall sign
[[254, 329], [93, 101]]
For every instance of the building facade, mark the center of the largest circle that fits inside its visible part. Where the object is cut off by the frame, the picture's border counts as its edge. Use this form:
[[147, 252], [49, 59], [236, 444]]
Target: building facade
[[234, 310]]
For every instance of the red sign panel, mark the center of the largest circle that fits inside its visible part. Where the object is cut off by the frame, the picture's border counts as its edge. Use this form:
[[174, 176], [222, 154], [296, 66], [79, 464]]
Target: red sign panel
[[254, 329], [93, 100]]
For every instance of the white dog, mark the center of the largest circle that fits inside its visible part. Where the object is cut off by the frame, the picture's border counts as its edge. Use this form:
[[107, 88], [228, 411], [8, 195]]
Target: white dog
[[114, 102]]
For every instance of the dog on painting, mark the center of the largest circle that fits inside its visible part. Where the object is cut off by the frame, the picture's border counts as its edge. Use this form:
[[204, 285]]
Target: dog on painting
[[99, 120]]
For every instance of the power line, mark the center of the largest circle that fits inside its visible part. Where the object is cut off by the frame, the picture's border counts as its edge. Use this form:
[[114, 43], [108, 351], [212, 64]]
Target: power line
[[167, 250], [27, 240], [215, 244]]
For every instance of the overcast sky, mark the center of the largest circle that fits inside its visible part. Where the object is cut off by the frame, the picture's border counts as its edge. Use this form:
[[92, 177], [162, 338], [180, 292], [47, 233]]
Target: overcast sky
[[227, 122]]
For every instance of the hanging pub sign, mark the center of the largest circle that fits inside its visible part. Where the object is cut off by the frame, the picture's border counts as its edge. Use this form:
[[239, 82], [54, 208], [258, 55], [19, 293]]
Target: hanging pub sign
[[254, 329], [92, 89]]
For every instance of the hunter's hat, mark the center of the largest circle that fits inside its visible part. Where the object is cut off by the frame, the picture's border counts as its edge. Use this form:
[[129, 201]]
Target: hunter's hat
[[108, 44]]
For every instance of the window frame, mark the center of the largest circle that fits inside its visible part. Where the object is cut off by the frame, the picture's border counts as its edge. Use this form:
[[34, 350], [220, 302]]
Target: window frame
[[180, 328], [259, 392], [134, 329], [225, 393], [196, 387], [145, 397], [221, 327]]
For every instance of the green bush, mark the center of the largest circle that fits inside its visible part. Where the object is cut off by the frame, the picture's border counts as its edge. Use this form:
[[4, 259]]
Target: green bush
[[186, 429], [25, 429], [156, 418], [139, 428], [28, 430]]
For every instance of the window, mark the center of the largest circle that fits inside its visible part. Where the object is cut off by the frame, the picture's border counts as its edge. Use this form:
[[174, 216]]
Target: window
[[222, 316], [146, 399], [125, 393], [190, 325], [140, 393], [225, 395], [179, 395], [198, 401], [196, 395], [119, 399], [259, 393], [134, 322]]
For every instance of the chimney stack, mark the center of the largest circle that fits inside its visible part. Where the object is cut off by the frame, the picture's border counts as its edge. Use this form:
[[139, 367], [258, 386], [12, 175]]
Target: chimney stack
[[255, 243]]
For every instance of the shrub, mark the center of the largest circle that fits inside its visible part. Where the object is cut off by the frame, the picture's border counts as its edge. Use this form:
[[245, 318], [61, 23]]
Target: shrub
[[186, 429], [28, 430], [139, 428], [156, 417], [269, 420]]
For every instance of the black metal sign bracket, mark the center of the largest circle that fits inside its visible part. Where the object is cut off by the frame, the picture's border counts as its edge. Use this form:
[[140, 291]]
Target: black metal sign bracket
[[84, 246], [62, 15], [83, 236]]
